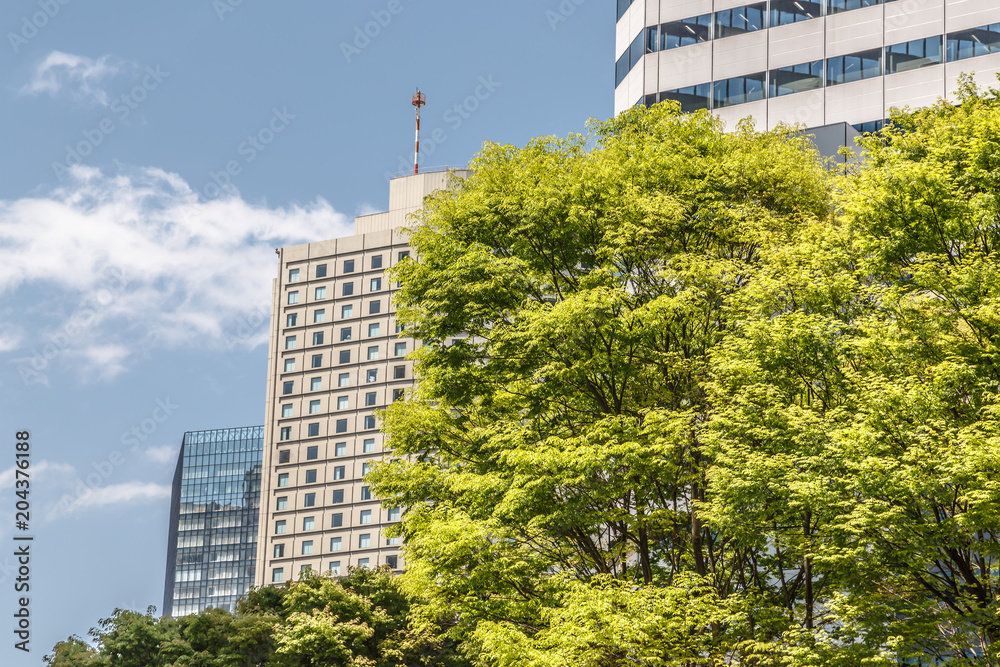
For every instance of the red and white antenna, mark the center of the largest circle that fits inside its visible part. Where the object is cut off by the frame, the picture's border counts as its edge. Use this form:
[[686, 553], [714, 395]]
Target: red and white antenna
[[419, 100]]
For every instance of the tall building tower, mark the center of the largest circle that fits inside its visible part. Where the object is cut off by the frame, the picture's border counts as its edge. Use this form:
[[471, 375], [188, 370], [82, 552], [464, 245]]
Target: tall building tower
[[214, 511], [816, 62], [336, 355]]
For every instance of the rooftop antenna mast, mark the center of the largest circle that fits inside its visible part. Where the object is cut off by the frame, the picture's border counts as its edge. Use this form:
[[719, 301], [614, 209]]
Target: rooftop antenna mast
[[419, 100]]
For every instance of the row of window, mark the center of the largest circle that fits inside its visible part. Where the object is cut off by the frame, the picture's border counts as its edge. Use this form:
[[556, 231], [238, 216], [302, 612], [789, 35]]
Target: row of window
[[343, 403], [312, 452], [295, 275], [343, 380], [339, 474], [336, 544], [319, 338], [840, 69], [344, 356], [346, 311], [340, 426], [278, 573], [337, 521]]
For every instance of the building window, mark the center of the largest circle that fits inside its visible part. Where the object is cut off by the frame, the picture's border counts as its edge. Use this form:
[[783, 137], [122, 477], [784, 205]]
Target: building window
[[312, 453], [320, 294], [317, 338], [282, 503], [337, 520], [287, 387], [974, 42], [402, 254], [317, 360], [278, 575], [279, 527], [313, 429], [370, 398], [309, 523], [740, 20], [286, 432], [784, 12], [623, 6], [348, 266], [293, 298], [335, 568], [343, 402], [375, 285], [311, 476], [338, 496], [344, 380], [392, 562], [373, 330], [400, 328], [366, 493], [679, 33], [854, 67], [372, 352], [837, 6], [394, 514], [397, 395], [291, 319], [307, 547], [369, 422], [314, 407], [286, 410], [913, 55], [345, 356], [336, 543], [366, 516], [340, 449], [279, 550], [283, 479], [371, 376], [366, 468], [347, 289], [319, 316], [339, 472], [305, 568], [289, 365], [284, 456], [392, 541], [375, 307], [293, 276], [290, 342], [346, 312], [368, 446], [796, 78], [345, 334], [315, 384], [400, 349], [364, 541], [377, 262], [309, 500], [399, 373], [363, 562], [341, 426], [321, 271], [739, 89]]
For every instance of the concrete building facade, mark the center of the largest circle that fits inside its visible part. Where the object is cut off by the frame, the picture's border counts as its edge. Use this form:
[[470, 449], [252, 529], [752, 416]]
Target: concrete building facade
[[336, 356], [816, 62], [214, 510]]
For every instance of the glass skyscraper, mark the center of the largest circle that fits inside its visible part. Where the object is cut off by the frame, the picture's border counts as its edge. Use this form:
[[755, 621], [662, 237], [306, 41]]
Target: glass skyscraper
[[214, 513]]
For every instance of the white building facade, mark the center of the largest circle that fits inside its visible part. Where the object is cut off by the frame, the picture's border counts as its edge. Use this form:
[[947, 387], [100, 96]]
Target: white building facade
[[337, 356], [816, 62]]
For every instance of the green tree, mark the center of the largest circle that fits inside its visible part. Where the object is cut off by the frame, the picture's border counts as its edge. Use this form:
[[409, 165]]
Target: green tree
[[569, 296]]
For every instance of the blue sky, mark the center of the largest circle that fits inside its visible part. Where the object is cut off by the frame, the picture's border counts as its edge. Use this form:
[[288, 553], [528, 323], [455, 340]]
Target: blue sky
[[155, 155]]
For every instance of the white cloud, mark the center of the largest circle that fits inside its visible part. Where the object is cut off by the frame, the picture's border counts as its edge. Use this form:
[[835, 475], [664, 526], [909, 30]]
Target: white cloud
[[163, 454], [80, 76], [42, 469], [121, 495], [135, 261]]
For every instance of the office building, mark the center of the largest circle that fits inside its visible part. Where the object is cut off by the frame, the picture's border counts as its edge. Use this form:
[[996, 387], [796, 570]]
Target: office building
[[337, 355], [214, 510], [816, 62]]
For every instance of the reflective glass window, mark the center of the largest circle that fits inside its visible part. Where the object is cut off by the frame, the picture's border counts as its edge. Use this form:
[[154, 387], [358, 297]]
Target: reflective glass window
[[854, 67], [980, 41], [913, 54], [738, 90], [793, 11], [796, 78], [740, 20]]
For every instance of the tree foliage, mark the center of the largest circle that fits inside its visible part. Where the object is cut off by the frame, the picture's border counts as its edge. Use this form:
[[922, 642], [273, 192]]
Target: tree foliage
[[688, 398]]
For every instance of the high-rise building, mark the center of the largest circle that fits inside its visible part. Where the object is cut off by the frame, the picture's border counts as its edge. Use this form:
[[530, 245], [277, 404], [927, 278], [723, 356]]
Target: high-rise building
[[214, 511], [816, 62], [336, 356]]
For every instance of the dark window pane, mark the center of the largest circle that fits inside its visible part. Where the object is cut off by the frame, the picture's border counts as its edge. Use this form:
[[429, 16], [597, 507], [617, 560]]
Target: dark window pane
[[691, 98], [980, 41], [741, 20], [836, 6], [739, 89], [796, 78], [854, 67], [685, 32], [793, 11], [913, 55]]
